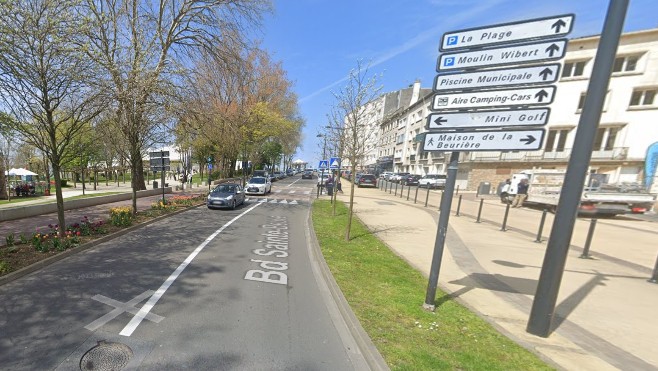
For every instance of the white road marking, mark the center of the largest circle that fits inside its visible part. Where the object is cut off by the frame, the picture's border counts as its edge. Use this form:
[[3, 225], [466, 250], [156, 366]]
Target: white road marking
[[144, 311], [120, 308]]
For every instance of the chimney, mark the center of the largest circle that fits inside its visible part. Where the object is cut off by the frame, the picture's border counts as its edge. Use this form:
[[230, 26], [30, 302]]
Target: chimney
[[415, 94]]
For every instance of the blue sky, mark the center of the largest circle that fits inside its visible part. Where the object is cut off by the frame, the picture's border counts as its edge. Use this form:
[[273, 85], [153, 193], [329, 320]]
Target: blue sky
[[319, 41]]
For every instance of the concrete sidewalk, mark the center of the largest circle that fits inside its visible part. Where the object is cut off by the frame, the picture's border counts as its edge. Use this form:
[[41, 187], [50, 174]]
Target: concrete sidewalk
[[606, 317]]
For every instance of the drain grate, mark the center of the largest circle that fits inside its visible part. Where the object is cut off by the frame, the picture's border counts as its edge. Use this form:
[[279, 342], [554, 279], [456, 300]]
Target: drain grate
[[106, 356]]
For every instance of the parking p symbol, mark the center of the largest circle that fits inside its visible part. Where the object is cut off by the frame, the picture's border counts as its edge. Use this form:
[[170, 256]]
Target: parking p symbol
[[452, 40]]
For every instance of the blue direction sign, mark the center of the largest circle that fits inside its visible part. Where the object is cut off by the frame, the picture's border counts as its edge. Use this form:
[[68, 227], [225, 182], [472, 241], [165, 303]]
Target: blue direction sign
[[334, 163], [324, 164], [514, 54], [505, 33]]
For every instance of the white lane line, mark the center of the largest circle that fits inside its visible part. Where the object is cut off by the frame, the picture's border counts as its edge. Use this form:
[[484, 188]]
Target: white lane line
[[137, 319]]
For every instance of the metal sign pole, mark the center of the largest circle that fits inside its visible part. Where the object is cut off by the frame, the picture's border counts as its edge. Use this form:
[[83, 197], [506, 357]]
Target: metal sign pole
[[543, 306], [441, 232], [162, 163]]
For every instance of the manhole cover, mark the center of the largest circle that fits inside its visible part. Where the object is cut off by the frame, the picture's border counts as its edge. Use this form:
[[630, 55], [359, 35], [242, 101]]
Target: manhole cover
[[106, 356]]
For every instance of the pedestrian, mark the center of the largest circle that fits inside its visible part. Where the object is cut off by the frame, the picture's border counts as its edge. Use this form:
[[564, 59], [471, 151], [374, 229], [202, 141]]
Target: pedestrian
[[339, 186], [505, 191], [521, 193]]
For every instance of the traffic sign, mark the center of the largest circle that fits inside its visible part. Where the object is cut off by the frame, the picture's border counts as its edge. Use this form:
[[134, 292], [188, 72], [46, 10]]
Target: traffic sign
[[334, 163], [491, 118], [505, 33], [506, 140], [494, 98], [531, 75], [324, 164], [514, 54], [158, 154]]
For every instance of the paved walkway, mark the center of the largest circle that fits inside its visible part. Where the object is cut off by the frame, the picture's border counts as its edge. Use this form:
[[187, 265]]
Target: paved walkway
[[606, 313]]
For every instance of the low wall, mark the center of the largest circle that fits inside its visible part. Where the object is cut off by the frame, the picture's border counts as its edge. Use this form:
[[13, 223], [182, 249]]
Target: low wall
[[21, 212]]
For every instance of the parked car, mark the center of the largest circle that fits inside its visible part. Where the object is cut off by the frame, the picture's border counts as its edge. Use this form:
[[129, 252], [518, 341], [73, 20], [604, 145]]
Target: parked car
[[279, 175], [258, 185], [357, 177], [308, 174], [397, 177], [432, 181], [322, 178], [367, 180], [386, 175], [410, 180], [226, 195]]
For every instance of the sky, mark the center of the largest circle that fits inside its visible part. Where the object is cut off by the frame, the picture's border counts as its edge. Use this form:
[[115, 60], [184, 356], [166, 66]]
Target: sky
[[319, 41]]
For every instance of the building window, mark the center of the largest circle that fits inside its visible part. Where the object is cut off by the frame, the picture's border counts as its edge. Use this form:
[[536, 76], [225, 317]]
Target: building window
[[556, 139], [643, 97], [605, 138], [573, 69], [625, 64], [581, 101]]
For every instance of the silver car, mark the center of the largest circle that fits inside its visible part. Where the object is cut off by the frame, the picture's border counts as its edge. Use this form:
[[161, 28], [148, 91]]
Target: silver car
[[225, 196]]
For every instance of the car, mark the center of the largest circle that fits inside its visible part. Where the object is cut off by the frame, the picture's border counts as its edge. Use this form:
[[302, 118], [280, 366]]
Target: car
[[307, 175], [432, 181], [357, 177], [225, 196], [397, 177], [410, 180], [322, 178], [290, 172], [367, 180], [386, 175], [258, 185]]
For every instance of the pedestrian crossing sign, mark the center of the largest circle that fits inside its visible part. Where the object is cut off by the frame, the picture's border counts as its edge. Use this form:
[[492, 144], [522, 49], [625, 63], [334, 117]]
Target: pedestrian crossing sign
[[333, 163], [324, 164]]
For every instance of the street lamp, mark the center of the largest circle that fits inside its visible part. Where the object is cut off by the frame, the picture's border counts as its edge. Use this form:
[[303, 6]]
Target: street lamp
[[324, 157]]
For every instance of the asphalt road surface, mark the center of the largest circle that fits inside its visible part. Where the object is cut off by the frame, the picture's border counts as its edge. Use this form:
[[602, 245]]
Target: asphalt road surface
[[204, 289]]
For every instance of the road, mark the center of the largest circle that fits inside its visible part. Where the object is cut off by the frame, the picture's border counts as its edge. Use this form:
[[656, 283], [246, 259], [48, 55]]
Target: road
[[203, 289]]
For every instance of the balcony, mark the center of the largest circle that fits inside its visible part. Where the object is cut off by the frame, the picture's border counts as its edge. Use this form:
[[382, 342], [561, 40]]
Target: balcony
[[618, 153]]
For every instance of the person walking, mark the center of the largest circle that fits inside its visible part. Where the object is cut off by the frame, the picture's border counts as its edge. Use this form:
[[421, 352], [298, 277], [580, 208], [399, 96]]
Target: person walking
[[521, 193]]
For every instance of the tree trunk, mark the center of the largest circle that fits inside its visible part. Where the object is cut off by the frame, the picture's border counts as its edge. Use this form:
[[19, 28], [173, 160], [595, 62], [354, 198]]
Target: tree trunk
[[59, 199], [3, 181]]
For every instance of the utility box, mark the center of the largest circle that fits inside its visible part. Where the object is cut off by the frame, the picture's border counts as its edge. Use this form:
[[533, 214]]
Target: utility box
[[155, 184], [484, 188]]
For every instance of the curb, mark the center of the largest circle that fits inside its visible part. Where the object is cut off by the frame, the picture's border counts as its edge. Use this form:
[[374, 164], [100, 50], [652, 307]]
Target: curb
[[66, 253], [369, 351]]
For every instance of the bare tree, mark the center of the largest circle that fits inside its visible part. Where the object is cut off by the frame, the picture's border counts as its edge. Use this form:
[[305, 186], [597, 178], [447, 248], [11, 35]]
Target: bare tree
[[358, 106], [45, 81], [143, 45]]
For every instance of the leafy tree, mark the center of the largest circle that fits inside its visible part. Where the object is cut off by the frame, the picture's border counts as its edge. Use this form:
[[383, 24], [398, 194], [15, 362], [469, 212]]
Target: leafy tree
[[45, 80]]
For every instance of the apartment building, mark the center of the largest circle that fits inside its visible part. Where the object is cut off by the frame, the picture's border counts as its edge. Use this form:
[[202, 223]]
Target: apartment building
[[628, 125]]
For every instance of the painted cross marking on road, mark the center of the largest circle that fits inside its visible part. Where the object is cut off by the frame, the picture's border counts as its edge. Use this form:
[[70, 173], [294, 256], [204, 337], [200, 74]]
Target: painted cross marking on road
[[120, 308]]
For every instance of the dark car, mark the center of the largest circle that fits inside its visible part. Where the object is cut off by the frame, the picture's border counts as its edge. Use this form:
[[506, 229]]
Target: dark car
[[225, 196], [410, 180], [367, 180], [307, 175]]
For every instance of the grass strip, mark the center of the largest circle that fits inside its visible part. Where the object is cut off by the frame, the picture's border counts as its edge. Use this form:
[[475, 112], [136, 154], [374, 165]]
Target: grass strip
[[386, 295]]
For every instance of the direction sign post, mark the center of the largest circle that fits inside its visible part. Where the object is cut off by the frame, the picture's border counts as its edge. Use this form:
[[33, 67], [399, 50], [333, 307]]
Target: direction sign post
[[455, 125], [488, 119]]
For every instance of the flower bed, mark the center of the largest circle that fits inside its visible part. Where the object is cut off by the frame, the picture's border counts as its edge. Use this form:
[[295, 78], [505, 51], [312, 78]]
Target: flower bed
[[24, 250]]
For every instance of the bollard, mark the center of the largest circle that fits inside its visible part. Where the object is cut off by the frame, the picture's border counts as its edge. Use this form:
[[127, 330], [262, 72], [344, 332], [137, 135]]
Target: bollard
[[440, 202], [457, 190], [390, 189], [588, 241], [408, 191], [416, 196], [480, 210], [402, 190], [396, 190], [459, 205], [504, 226], [541, 225], [427, 196], [654, 276]]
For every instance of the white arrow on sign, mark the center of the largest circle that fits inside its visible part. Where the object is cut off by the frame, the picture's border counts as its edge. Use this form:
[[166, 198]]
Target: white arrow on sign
[[531, 75], [512, 140], [516, 54], [494, 98], [555, 26], [492, 118]]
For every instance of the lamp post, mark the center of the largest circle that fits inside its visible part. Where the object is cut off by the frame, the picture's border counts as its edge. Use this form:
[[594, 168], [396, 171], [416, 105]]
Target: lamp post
[[324, 157]]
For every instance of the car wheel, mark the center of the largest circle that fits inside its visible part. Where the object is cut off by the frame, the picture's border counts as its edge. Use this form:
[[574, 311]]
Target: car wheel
[[233, 205]]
